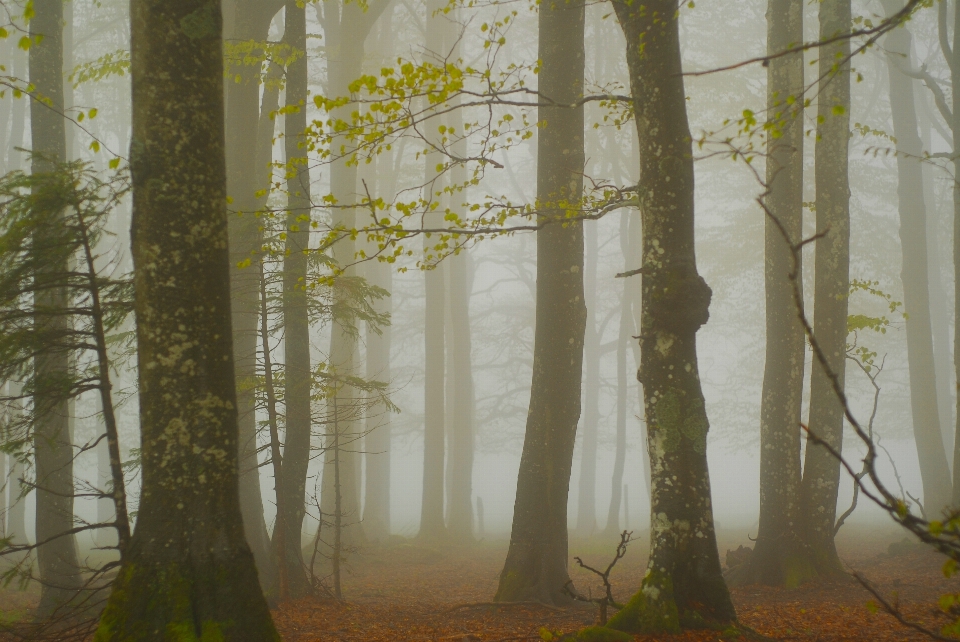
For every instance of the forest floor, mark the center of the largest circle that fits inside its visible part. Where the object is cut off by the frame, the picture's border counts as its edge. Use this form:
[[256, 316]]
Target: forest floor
[[409, 592], [406, 591]]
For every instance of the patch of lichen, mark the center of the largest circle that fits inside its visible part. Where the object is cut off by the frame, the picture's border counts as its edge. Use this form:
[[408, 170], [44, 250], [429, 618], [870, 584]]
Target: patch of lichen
[[159, 607], [652, 610], [676, 419]]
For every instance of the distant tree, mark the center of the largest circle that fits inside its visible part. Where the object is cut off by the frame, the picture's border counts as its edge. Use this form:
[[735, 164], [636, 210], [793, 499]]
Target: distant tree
[[53, 449], [683, 585], [536, 564], [189, 572]]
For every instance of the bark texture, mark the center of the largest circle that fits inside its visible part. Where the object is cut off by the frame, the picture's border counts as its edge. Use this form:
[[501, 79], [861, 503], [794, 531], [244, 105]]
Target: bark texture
[[934, 471], [189, 573], [821, 470], [53, 451], [587, 483], [536, 564], [683, 585], [952, 55]]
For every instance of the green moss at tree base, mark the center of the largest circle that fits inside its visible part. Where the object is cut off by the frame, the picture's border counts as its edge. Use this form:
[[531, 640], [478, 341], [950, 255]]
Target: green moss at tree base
[[652, 610], [599, 634], [159, 603]]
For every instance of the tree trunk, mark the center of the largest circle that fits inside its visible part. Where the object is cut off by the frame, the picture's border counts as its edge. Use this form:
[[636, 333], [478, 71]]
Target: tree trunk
[[189, 572], [623, 339], [955, 126], [536, 564], [296, 323], [18, 111], [821, 470], [587, 484], [779, 558], [683, 585], [53, 450], [16, 506], [247, 20], [934, 471]]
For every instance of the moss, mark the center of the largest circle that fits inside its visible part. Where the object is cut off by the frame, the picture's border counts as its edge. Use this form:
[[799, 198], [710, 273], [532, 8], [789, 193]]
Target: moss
[[511, 585], [796, 571], [668, 414], [600, 634], [652, 610], [692, 619], [695, 425]]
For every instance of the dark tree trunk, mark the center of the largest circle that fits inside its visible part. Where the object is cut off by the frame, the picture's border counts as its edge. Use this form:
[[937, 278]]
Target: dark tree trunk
[[683, 585], [821, 470], [296, 324], [53, 450], [779, 557], [954, 59], [536, 564], [189, 572], [587, 483], [934, 471], [247, 20]]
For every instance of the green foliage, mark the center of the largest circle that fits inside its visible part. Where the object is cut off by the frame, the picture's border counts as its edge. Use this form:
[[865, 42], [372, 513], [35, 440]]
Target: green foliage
[[858, 323], [114, 63]]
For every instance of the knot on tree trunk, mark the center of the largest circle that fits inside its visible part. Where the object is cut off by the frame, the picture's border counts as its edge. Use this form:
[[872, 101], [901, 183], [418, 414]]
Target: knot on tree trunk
[[678, 298]]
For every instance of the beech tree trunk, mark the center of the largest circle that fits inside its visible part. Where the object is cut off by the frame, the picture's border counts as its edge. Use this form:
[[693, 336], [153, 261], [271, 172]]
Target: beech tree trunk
[[53, 450], [188, 572], [821, 470], [247, 20], [683, 585], [934, 471], [955, 126], [587, 484], [536, 564], [779, 558]]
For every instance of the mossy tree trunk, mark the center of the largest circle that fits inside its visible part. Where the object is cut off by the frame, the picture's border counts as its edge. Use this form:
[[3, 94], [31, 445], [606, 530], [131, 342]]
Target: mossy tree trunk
[[821, 470], [780, 559], [247, 20], [536, 564], [950, 52], [683, 585], [296, 323], [189, 572], [53, 450]]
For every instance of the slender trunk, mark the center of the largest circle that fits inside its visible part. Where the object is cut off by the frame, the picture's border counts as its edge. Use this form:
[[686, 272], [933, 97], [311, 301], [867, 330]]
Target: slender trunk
[[779, 558], [296, 323], [934, 471], [623, 338], [587, 484], [954, 59], [377, 434], [53, 451], [189, 572], [18, 112], [106, 510], [536, 564], [821, 470], [276, 457], [68, 64], [683, 585], [460, 280], [16, 506], [247, 20]]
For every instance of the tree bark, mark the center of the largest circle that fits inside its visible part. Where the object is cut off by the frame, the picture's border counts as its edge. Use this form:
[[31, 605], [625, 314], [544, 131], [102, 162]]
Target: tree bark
[[536, 564], [587, 484], [53, 450], [247, 20], [779, 557], [683, 585], [954, 58], [296, 323], [934, 471], [821, 470], [189, 572]]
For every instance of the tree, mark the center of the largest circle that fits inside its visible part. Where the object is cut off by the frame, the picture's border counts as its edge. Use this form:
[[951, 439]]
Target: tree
[[53, 449], [934, 470], [536, 564], [246, 24], [821, 470], [683, 585], [296, 321], [189, 572], [587, 484], [779, 557]]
